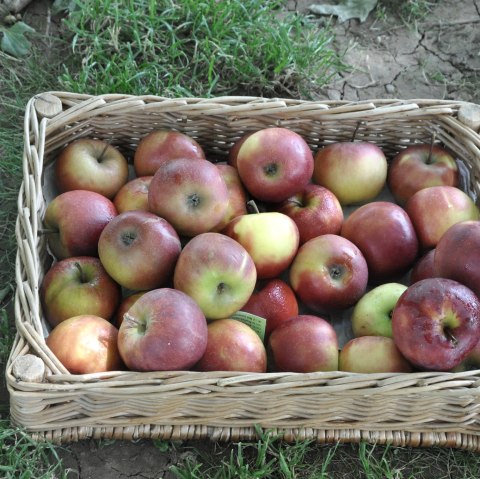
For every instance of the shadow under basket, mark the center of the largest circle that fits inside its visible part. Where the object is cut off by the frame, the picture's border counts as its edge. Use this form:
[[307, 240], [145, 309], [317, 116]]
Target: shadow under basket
[[409, 409]]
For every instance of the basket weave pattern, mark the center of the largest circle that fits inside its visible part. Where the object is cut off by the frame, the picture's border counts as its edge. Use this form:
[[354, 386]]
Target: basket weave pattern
[[416, 409]]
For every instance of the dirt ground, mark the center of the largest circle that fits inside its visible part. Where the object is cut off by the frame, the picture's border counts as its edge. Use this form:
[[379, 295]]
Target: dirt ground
[[437, 58]]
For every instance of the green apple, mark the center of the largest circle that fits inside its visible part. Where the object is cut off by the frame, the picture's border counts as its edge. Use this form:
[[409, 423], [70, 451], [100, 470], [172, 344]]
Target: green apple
[[372, 315]]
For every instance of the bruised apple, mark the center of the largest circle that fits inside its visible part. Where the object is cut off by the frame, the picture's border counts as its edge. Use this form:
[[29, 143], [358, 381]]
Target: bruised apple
[[304, 344], [233, 346], [273, 300], [165, 330], [436, 323], [86, 344]]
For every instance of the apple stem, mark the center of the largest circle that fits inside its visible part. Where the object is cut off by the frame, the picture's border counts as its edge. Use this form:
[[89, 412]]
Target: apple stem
[[100, 158], [253, 206], [450, 336], [82, 275], [432, 141], [356, 130]]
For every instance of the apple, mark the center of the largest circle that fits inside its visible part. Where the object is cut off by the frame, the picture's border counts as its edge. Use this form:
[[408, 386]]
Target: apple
[[457, 255], [78, 286], [271, 238], [191, 195], [420, 166], [436, 323], [472, 361], [329, 273], [433, 210], [237, 196], [372, 354], [133, 195], [125, 304], [273, 300], [274, 164], [217, 272], [161, 146], [233, 151], [86, 344], [304, 344], [233, 346], [385, 235], [315, 210], [165, 330], [424, 267], [89, 164], [139, 250], [355, 172], [372, 315], [74, 221]]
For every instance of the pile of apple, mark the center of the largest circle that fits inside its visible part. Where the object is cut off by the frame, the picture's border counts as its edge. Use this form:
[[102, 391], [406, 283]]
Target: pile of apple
[[174, 262]]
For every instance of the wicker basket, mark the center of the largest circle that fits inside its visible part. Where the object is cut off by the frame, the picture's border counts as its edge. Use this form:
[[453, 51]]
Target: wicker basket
[[415, 409]]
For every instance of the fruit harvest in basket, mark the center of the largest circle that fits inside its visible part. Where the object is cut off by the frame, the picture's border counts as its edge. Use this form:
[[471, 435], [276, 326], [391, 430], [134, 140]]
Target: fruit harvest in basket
[[280, 259]]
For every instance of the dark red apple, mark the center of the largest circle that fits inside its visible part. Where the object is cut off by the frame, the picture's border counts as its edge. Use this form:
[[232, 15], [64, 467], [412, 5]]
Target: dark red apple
[[436, 323], [385, 235], [457, 254], [424, 267]]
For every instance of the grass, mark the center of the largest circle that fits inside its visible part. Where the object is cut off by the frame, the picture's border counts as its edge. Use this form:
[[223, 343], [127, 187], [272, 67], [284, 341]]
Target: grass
[[198, 48]]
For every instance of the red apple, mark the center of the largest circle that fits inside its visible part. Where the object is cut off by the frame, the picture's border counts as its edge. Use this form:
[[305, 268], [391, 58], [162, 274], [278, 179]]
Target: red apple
[[273, 300], [233, 346], [329, 273], [457, 255], [161, 146], [420, 166], [78, 286], [191, 195], [94, 165], [424, 267], [386, 237], [217, 272], [233, 152], [433, 210], [74, 221], [165, 330], [133, 195], [315, 210], [436, 323], [372, 354], [86, 344], [125, 304], [355, 172], [237, 196], [274, 164], [271, 239], [304, 344], [139, 250]]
